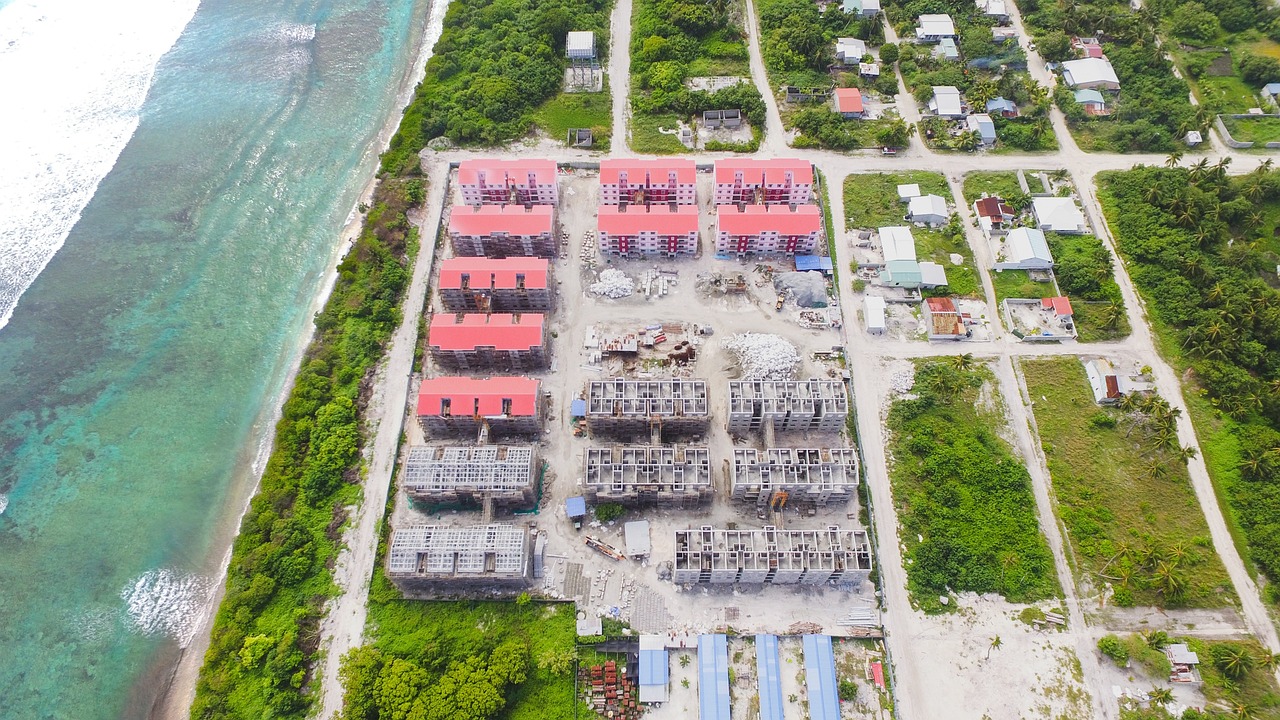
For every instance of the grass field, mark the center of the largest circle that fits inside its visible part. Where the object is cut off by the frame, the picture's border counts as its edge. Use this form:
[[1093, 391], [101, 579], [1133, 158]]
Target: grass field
[[1000, 184], [1091, 322], [1018, 284], [1259, 130], [646, 139], [1127, 504], [578, 110], [939, 246], [871, 200], [1083, 260]]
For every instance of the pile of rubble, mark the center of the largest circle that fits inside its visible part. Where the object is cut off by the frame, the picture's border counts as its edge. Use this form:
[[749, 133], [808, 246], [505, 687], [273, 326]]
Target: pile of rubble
[[902, 382], [612, 284], [763, 356]]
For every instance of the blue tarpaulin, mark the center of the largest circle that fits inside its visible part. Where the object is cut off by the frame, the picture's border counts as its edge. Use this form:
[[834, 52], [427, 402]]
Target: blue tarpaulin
[[813, 262], [713, 677], [769, 677], [820, 676], [575, 507], [578, 408]]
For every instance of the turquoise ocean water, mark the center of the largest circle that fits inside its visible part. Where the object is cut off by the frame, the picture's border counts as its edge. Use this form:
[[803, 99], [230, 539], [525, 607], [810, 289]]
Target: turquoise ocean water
[[139, 372]]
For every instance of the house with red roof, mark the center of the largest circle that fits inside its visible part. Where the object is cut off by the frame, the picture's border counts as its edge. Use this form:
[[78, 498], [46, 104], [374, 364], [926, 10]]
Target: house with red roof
[[634, 230], [450, 406], [942, 319], [631, 181], [504, 285], [499, 182], [993, 214], [501, 342], [768, 230], [848, 102], [763, 182], [1059, 307], [503, 231]]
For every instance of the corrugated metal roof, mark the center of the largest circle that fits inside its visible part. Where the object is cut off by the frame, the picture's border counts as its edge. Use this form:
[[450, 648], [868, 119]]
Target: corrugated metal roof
[[814, 262], [654, 666], [575, 506], [820, 676], [713, 677], [769, 677]]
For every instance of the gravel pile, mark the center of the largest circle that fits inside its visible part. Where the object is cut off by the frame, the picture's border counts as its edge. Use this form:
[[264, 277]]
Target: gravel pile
[[612, 284], [763, 356], [902, 382]]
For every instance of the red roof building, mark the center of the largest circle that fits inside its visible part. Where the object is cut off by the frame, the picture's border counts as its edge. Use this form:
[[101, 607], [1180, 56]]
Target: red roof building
[[502, 230], [648, 230], [849, 102], [515, 284], [992, 213], [501, 342], [763, 182], [768, 230], [630, 181], [498, 182], [1060, 306], [942, 319], [463, 405]]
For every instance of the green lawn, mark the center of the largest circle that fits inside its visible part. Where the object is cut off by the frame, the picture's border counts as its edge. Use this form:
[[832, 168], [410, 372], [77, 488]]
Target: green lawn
[[1018, 284], [1127, 504], [1000, 184], [578, 110], [1086, 275], [1259, 130], [646, 139], [938, 246], [1094, 321], [871, 200]]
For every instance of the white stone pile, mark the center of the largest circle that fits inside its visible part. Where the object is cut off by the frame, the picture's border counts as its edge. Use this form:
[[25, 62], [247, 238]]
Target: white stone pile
[[613, 284], [902, 382], [763, 356]]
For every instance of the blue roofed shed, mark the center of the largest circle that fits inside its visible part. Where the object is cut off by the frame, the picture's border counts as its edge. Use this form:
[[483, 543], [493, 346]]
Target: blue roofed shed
[[769, 677], [820, 676], [713, 677], [654, 665], [1271, 89], [577, 408], [814, 262], [1002, 106], [575, 507]]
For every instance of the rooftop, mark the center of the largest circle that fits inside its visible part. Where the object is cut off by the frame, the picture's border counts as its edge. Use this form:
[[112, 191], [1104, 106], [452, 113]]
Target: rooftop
[[1089, 71], [898, 243], [660, 219], [1061, 305], [493, 273], [483, 397], [496, 172], [500, 331], [992, 207], [781, 219], [773, 172], [848, 100], [510, 219], [658, 170]]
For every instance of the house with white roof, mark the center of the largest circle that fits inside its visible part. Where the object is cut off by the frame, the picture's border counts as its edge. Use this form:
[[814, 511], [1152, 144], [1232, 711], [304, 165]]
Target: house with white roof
[[897, 243], [932, 28], [874, 311], [928, 209], [993, 9], [947, 50], [865, 8], [1025, 249], [1094, 73], [946, 102], [1058, 214], [906, 192], [850, 51], [982, 124]]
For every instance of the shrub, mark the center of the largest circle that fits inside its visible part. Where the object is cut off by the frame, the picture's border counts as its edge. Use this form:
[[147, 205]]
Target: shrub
[[609, 512], [889, 53], [848, 690], [1114, 648]]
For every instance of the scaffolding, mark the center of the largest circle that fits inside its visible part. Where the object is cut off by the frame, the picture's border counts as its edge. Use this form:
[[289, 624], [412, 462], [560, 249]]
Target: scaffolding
[[708, 555], [789, 405], [648, 475], [503, 474], [669, 406], [422, 555], [804, 475]]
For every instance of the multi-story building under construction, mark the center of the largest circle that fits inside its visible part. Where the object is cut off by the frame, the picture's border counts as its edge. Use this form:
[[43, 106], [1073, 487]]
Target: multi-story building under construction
[[788, 476], [502, 474], [708, 555], [790, 405], [425, 558], [648, 475], [669, 406], [505, 285]]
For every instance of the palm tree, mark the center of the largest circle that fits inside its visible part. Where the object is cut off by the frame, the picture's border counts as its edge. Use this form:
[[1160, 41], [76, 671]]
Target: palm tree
[[1170, 583], [1155, 469], [1187, 453], [968, 141], [1233, 660], [1269, 660], [1174, 158], [1155, 194], [1111, 315], [1199, 170], [963, 362], [996, 644], [1160, 696], [1243, 711]]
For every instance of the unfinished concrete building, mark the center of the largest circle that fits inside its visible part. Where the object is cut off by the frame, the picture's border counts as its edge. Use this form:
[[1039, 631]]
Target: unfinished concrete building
[[500, 342], [786, 476], [454, 406], [503, 231], [648, 475], [501, 474], [426, 558], [506, 285], [787, 405], [670, 406], [708, 555]]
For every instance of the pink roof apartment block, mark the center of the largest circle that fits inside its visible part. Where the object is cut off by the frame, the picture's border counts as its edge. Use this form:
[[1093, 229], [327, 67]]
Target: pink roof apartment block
[[648, 181], [497, 182], [763, 182], [768, 230], [502, 230], [648, 230]]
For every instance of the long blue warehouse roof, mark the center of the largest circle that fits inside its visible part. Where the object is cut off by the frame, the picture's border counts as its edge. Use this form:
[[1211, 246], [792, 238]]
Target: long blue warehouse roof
[[769, 677], [820, 675], [713, 677]]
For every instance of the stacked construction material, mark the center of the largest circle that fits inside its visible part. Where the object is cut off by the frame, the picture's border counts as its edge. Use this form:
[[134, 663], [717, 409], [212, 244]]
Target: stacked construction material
[[763, 356]]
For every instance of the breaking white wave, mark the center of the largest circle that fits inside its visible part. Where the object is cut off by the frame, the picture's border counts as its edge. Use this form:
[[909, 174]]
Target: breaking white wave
[[4, 503], [73, 76], [167, 602]]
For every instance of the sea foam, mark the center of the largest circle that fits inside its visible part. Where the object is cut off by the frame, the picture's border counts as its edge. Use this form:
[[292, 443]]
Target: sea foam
[[167, 602], [73, 76]]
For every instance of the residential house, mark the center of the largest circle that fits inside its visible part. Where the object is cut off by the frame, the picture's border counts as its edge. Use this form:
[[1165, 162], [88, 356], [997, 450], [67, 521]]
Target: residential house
[[942, 319], [982, 124], [476, 284], [1087, 47], [1093, 102], [993, 214], [503, 231], [633, 230], [1059, 214], [763, 182], [1104, 382], [498, 182], [873, 311], [768, 230], [994, 9], [930, 210], [464, 405], [1183, 663], [1093, 73], [478, 342], [634, 181], [906, 192], [1025, 249], [1002, 107], [1060, 308], [932, 28], [869, 70], [865, 8], [946, 102], [947, 50], [1001, 35], [901, 269], [1193, 138], [850, 51], [848, 102]]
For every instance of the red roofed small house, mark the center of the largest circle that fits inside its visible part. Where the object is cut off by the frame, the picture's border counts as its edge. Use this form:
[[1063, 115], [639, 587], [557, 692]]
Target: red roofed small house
[[849, 103], [942, 319]]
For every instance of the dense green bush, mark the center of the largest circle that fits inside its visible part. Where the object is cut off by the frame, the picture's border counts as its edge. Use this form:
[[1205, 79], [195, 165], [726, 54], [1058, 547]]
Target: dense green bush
[[1112, 647]]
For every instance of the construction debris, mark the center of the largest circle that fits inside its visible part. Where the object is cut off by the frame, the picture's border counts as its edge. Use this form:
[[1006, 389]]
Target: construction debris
[[809, 289], [763, 356], [902, 382], [613, 284]]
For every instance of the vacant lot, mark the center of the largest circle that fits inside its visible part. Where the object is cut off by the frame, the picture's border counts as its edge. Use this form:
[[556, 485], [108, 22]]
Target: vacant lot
[[1001, 184], [1132, 518], [568, 111], [1018, 284]]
